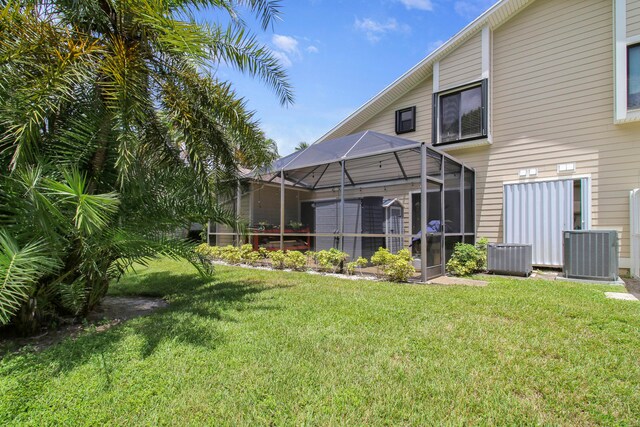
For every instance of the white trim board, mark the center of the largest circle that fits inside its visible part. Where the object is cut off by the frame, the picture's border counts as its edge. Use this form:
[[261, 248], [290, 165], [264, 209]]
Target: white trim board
[[621, 113]]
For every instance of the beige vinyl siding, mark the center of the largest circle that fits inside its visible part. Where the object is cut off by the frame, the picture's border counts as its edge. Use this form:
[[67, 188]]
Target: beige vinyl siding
[[227, 239], [463, 65], [420, 97], [552, 103], [245, 203], [633, 18], [223, 240], [266, 204]]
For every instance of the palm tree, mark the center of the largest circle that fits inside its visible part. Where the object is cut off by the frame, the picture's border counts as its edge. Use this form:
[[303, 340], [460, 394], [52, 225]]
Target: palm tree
[[302, 146], [113, 132]]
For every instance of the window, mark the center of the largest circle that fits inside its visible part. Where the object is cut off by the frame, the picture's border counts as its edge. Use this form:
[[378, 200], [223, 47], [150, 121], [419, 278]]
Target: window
[[633, 77], [461, 114], [406, 120]]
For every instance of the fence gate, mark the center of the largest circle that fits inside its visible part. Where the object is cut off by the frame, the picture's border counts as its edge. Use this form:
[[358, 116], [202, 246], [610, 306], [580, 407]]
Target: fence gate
[[634, 219]]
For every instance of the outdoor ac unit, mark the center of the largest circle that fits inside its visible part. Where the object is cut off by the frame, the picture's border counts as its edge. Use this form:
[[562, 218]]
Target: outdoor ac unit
[[591, 255], [509, 258]]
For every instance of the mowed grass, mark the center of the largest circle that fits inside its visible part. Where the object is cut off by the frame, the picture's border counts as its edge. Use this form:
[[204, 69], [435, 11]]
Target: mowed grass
[[257, 347]]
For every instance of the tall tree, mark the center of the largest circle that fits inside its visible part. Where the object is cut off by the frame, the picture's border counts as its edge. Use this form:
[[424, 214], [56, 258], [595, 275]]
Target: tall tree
[[302, 146], [114, 131]]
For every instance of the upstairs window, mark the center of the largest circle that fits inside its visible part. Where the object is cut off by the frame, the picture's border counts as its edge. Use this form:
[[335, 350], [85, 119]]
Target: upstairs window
[[633, 77], [460, 114], [406, 120]]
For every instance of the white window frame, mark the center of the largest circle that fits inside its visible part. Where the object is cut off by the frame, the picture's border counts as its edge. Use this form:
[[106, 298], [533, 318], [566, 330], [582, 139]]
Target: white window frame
[[622, 114], [483, 84]]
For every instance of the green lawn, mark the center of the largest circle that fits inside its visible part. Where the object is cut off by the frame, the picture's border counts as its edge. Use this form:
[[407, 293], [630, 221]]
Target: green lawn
[[256, 347]]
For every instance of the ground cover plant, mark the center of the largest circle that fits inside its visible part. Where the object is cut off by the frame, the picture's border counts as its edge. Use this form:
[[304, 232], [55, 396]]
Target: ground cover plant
[[257, 347]]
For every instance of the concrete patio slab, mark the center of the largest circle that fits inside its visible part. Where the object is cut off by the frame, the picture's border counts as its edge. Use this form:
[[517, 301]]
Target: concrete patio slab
[[621, 295]]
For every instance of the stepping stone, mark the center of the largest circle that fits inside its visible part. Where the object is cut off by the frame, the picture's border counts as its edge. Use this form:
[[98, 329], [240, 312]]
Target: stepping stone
[[621, 295]]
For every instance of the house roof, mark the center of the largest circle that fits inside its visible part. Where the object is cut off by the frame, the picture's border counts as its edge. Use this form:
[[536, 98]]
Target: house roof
[[493, 17]]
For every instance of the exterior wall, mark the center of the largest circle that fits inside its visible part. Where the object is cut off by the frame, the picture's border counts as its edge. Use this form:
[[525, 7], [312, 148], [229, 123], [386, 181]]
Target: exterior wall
[[463, 65], [266, 204], [420, 96], [551, 102], [633, 18], [226, 239]]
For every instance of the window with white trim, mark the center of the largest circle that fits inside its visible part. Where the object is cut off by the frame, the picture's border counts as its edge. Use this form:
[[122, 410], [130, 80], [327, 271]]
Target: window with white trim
[[460, 114]]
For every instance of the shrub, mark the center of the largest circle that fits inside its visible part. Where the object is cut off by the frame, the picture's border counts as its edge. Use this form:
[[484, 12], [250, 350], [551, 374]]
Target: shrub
[[405, 254], [202, 250], [311, 257], [359, 263], [207, 252], [264, 253], [230, 254], [382, 257], [295, 260], [245, 250], [481, 245], [397, 268], [331, 260], [468, 259], [215, 252], [248, 255], [277, 259]]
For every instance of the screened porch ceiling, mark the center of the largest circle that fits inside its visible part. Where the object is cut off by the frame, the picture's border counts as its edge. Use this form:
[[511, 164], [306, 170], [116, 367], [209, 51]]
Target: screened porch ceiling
[[369, 157]]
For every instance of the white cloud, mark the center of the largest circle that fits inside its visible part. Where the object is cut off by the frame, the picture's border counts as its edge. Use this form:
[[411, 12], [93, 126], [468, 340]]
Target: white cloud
[[282, 57], [417, 4], [375, 30], [471, 9], [286, 44], [289, 49]]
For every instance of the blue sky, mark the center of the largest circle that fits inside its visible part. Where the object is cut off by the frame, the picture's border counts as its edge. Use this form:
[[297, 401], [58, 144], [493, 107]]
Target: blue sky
[[340, 53]]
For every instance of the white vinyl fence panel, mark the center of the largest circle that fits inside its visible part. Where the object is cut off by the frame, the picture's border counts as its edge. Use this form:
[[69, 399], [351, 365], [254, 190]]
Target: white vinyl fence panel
[[537, 213], [634, 201]]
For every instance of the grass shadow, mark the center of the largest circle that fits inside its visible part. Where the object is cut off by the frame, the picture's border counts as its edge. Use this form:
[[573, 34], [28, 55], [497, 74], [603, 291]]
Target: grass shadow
[[196, 306]]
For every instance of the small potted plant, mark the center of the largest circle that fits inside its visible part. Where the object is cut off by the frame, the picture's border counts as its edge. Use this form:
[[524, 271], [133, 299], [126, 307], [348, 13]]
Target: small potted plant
[[295, 225]]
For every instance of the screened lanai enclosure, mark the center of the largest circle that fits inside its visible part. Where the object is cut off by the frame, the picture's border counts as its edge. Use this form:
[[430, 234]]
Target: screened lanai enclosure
[[359, 193]]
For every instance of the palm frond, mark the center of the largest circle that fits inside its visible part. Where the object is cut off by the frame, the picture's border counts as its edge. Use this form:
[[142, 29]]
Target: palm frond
[[92, 212], [73, 296], [45, 67], [134, 248], [240, 49], [20, 269], [125, 91]]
